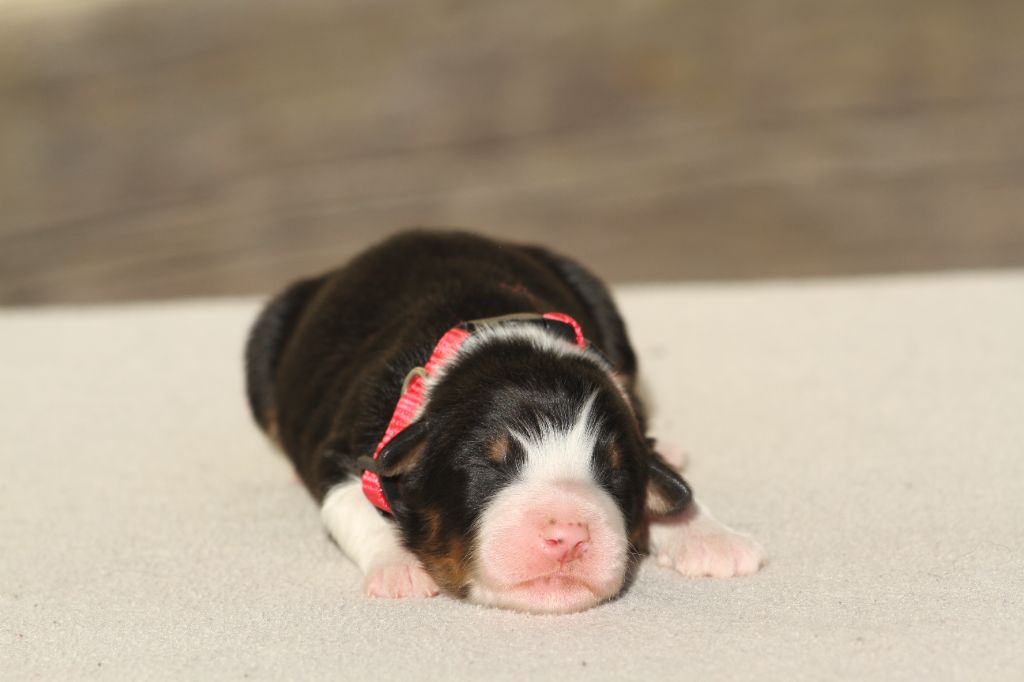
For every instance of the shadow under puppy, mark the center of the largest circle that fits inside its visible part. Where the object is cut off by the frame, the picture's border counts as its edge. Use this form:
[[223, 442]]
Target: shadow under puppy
[[464, 412]]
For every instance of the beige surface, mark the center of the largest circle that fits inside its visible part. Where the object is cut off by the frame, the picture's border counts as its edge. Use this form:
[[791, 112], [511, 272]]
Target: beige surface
[[869, 432], [167, 148]]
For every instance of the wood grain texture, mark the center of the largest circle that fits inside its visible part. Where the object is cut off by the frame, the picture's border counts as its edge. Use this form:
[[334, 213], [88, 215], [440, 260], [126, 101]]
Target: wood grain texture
[[160, 149]]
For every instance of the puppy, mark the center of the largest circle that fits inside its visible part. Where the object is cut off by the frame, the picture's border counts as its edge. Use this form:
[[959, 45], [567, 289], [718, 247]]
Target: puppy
[[463, 410]]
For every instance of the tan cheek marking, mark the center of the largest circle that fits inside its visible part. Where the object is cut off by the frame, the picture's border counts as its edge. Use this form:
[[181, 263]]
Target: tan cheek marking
[[444, 558], [432, 518], [448, 566]]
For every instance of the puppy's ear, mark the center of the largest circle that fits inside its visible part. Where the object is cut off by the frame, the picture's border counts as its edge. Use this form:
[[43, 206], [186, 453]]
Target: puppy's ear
[[667, 492], [404, 450]]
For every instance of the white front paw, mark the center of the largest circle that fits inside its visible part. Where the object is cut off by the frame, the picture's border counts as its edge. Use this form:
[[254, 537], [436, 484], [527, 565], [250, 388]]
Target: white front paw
[[717, 556], [404, 578], [697, 545]]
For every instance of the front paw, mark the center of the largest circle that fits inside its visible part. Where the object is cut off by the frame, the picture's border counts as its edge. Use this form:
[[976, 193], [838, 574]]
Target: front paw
[[715, 555], [697, 545], [404, 578]]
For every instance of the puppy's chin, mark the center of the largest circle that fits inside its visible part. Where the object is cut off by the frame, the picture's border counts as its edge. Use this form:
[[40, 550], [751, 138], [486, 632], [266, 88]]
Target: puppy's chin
[[550, 547], [554, 594]]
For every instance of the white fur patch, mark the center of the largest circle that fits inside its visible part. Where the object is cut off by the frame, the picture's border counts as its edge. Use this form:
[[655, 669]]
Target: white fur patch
[[555, 454], [372, 543], [696, 544]]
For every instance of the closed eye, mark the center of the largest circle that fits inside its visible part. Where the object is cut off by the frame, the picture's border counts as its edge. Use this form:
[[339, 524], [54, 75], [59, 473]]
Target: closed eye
[[617, 481], [503, 455]]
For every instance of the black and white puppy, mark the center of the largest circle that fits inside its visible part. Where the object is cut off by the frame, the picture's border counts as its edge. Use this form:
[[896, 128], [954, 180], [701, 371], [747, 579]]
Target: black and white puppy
[[464, 412]]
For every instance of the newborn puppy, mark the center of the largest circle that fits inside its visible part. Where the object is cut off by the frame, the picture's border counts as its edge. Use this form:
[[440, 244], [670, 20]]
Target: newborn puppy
[[464, 412]]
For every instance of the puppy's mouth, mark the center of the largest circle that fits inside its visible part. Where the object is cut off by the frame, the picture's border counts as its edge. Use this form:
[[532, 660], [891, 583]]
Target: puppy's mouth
[[556, 580], [555, 592]]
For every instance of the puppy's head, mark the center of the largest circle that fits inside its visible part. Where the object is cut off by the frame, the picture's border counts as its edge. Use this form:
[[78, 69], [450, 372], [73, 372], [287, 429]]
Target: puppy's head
[[526, 481]]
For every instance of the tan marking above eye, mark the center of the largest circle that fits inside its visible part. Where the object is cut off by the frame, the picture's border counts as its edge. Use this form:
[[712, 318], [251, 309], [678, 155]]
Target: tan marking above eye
[[498, 450], [615, 457]]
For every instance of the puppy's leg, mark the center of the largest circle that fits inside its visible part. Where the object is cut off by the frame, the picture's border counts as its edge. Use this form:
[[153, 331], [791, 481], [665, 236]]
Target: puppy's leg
[[372, 543], [695, 544]]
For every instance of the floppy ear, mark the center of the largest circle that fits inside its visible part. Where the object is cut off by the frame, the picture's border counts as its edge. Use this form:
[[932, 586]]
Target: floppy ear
[[402, 451], [667, 492]]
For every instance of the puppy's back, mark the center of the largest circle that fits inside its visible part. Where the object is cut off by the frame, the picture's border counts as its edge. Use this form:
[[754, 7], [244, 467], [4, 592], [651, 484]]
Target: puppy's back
[[328, 355]]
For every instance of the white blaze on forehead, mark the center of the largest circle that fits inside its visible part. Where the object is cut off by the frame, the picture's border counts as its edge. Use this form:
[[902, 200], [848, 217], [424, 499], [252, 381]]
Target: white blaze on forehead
[[555, 453]]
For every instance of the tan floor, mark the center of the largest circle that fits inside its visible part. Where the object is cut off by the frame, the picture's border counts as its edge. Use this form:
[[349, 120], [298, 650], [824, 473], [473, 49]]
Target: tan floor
[[162, 149], [867, 432]]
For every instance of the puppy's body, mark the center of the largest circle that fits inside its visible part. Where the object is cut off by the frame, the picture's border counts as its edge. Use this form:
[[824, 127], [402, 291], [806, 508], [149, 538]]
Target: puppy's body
[[328, 356], [525, 479]]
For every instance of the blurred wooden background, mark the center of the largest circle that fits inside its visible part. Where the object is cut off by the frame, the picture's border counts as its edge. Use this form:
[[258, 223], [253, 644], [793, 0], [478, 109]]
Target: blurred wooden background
[[155, 149]]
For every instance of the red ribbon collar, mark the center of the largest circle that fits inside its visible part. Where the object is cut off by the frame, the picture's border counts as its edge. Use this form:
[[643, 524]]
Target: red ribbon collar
[[414, 389]]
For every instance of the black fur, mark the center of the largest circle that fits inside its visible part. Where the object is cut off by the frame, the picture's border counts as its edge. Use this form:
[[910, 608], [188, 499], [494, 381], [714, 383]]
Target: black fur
[[326, 361], [266, 344]]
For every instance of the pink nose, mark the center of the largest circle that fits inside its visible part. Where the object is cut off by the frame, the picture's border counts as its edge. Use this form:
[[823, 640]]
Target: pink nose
[[564, 540]]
